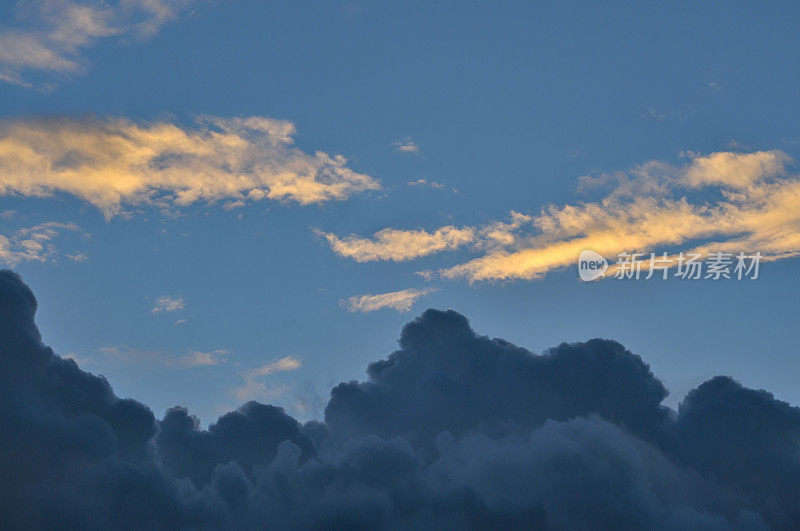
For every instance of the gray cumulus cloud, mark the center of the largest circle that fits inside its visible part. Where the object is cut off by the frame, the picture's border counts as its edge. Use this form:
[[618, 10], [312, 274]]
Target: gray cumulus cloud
[[452, 431]]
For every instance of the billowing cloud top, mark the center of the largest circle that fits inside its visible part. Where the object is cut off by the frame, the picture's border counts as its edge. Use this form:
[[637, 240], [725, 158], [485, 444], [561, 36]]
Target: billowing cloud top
[[113, 163], [453, 430]]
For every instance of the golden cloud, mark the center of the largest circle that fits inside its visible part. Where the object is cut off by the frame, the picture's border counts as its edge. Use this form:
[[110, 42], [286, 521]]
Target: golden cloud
[[722, 202], [116, 162]]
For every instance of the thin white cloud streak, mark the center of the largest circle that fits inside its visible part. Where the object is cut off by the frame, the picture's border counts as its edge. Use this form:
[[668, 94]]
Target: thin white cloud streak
[[168, 304], [419, 183], [133, 356], [401, 301], [114, 163], [34, 244], [426, 183], [196, 358], [156, 359], [50, 35], [255, 388]]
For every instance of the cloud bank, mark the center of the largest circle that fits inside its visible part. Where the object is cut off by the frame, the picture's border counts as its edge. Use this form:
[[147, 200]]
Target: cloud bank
[[453, 430], [722, 202], [50, 35], [115, 163]]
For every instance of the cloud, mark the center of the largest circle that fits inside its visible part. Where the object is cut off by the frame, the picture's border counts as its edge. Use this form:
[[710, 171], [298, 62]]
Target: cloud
[[287, 363], [399, 245], [406, 145], [651, 112], [430, 184], [453, 429], [168, 304], [78, 257], [425, 182], [34, 244], [403, 245], [722, 202], [254, 387], [402, 300], [161, 359], [115, 163], [755, 209], [736, 170], [51, 34], [195, 358], [130, 355]]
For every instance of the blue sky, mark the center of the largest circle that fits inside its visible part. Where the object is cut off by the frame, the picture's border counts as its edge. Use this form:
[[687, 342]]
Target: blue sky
[[502, 108]]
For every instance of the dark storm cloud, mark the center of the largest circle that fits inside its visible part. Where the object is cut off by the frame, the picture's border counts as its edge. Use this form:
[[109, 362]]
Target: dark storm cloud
[[249, 436], [448, 378], [453, 430]]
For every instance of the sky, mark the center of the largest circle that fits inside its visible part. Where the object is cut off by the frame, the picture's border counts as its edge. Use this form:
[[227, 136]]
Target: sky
[[223, 201]]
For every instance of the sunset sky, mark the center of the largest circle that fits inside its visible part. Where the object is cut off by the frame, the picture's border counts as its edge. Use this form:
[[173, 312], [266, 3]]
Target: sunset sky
[[219, 201]]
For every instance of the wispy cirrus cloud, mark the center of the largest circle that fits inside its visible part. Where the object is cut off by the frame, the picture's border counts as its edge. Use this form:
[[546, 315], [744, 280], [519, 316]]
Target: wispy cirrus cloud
[[168, 304], [34, 244], [721, 202], [196, 358], [115, 163], [254, 387], [49, 36], [127, 355], [401, 301]]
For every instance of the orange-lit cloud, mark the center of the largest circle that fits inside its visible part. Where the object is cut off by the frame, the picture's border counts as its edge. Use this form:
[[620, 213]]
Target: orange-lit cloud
[[407, 244], [731, 202], [399, 245], [115, 163]]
